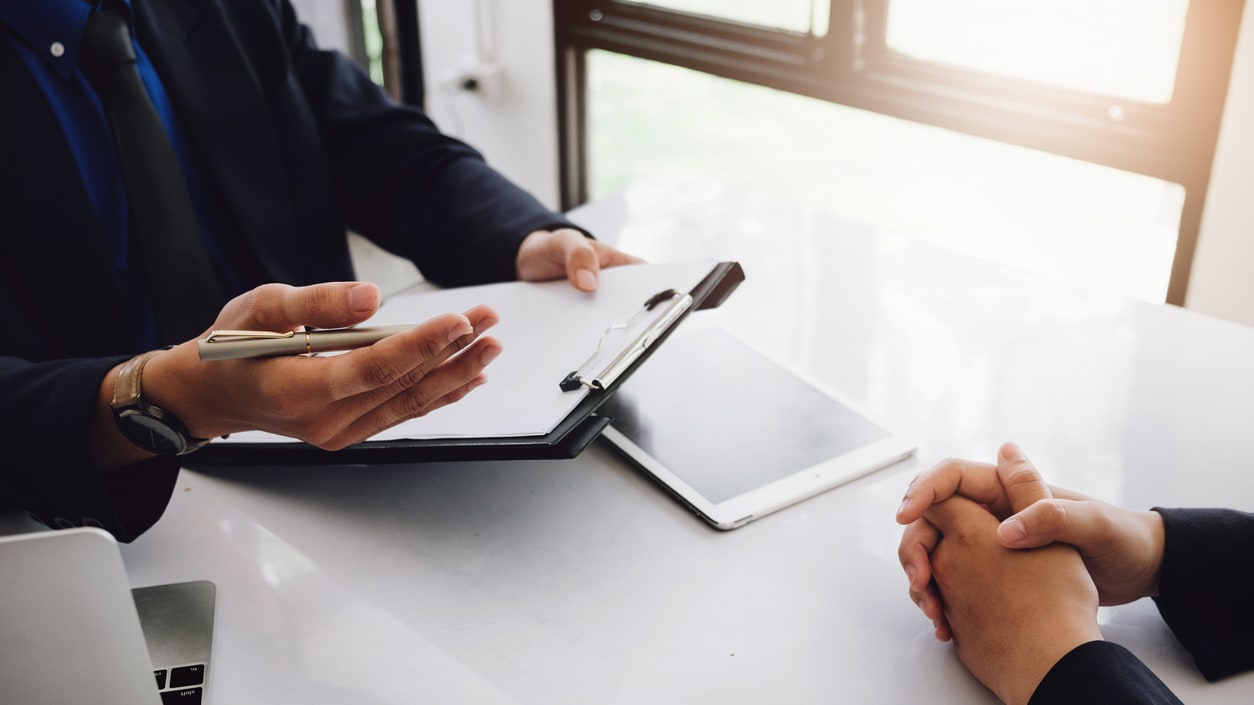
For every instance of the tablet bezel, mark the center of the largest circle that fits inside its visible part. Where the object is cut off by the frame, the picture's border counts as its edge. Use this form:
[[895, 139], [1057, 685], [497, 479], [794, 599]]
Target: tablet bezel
[[782, 492]]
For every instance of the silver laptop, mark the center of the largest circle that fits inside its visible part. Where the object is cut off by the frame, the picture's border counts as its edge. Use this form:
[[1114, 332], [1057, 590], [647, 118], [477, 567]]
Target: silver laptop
[[73, 631]]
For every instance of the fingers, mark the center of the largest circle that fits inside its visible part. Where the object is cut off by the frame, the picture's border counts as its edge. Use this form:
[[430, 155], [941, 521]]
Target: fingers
[[1024, 485], [389, 360], [955, 519], [976, 481], [546, 254], [610, 257], [1054, 520], [583, 266], [914, 552], [917, 543], [444, 385], [585, 258], [279, 307], [960, 518]]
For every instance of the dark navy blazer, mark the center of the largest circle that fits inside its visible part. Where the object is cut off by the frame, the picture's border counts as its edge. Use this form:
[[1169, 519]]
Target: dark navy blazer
[[299, 146]]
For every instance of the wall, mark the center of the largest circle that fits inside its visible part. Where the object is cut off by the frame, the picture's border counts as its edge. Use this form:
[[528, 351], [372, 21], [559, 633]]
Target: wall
[[326, 19], [518, 132], [1222, 282]]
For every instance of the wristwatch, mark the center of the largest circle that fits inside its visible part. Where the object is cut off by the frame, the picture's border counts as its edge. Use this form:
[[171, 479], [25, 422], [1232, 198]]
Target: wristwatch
[[147, 426]]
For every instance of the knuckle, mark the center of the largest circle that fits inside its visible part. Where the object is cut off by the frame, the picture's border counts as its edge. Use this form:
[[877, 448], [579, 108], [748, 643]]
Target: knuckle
[[260, 303], [905, 551], [416, 403], [381, 371], [1051, 515], [429, 347], [412, 378], [1023, 474], [321, 299]]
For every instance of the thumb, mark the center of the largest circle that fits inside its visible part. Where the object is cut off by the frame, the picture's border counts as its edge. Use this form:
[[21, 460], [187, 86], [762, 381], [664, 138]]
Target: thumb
[[1024, 484], [583, 266], [280, 307], [1050, 521]]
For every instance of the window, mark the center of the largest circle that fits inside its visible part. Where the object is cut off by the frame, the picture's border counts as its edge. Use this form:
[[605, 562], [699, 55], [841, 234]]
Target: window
[[1127, 49], [1122, 95], [793, 15]]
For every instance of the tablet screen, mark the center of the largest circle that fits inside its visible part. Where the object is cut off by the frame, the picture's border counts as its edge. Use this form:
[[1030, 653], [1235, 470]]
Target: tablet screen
[[726, 419]]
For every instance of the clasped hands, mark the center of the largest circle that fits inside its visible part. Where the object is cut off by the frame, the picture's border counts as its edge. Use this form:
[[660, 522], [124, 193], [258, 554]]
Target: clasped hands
[[1013, 569]]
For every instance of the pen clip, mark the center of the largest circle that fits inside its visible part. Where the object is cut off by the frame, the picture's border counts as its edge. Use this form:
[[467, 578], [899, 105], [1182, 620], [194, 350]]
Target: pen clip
[[227, 336]]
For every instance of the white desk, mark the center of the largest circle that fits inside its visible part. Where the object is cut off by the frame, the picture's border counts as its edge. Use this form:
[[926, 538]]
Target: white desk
[[580, 582]]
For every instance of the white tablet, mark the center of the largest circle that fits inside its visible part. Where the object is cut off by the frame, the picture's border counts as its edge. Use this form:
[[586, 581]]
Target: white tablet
[[736, 436]]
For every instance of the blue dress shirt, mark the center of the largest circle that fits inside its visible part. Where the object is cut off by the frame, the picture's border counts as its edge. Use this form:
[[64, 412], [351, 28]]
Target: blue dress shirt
[[46, 35]]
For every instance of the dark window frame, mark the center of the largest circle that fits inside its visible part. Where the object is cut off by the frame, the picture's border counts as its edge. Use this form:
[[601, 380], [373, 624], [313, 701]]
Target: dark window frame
[[1173, 141]]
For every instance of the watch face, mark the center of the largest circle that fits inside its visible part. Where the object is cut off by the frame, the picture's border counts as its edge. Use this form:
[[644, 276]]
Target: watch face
[[150, 433]]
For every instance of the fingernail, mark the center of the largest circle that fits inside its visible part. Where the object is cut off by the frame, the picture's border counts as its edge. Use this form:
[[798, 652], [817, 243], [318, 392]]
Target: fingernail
[[586, 279], [911, 571], [904, 501], [1012, 531], [362, 298], [488, 355], [476, 384], [459, 330]]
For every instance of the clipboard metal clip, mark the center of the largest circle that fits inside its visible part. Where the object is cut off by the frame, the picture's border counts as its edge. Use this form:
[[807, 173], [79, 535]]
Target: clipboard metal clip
[[679, 303]]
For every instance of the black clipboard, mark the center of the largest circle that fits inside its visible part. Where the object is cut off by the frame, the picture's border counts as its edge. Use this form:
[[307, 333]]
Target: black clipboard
[[567, 440]]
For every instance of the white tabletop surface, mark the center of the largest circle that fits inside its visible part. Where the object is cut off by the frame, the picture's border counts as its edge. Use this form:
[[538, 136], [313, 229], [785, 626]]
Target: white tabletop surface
[[581, 582]]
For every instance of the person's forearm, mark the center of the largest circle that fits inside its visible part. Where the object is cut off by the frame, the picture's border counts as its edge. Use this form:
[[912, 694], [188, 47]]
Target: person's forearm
[[49, 469]]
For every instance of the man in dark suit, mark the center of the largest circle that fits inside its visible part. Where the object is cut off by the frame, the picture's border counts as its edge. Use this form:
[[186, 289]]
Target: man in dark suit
[[1024, 622], [279, 147]]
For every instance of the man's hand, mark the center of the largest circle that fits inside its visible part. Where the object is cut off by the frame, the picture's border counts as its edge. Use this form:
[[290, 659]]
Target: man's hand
[[1122, 549], [330, 402], [552, 254], [1014, 614]]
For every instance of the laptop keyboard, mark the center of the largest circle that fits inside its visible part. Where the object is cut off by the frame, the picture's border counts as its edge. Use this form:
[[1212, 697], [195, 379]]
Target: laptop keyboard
[[177, 619], [176, 684]]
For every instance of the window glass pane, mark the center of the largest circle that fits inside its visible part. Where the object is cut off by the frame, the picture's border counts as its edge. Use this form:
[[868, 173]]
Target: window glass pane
[[794, 15], [1123, 48], [1089, 224], [374, 40]]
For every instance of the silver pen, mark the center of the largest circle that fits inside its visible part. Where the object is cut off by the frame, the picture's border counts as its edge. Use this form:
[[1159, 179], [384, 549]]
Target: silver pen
[[238, 344]]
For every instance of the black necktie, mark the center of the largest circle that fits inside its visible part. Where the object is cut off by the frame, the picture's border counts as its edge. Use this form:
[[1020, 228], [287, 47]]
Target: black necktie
[[182, 284]]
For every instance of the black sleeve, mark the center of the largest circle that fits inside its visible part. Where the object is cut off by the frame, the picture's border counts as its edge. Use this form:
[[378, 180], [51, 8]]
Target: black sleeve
[[45, 428], [402, 183], [1104, 673], [1206, 590]]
